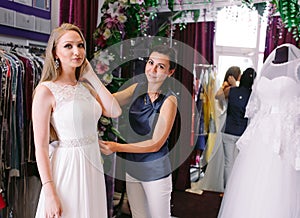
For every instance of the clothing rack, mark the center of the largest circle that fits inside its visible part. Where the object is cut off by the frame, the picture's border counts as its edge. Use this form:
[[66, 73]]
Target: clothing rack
[[20, 72], [204, 65], [35, 48], [201, 78], [212, 66]]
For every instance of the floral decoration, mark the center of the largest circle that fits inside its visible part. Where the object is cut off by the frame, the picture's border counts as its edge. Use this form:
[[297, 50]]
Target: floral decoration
[[289, 11], [107, 130], [290, 14], [101, 63], [121, 20]]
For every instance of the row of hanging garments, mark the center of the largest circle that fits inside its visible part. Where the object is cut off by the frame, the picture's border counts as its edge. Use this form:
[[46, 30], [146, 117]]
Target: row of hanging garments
[[20, 70], [205, 85]]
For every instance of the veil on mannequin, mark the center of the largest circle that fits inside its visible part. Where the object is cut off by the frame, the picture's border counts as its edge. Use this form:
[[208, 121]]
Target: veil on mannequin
[[284, 53], [272, 69], [283, 85]]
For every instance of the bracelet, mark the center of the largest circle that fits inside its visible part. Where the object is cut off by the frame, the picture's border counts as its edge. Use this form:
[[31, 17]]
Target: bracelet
[[47, 182]]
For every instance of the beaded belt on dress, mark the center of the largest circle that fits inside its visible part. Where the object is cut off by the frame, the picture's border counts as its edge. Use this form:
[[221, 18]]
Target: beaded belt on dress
[[78, 142]]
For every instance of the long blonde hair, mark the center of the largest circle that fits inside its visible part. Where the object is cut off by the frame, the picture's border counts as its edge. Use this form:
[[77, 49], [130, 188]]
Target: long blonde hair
[[50, 73]]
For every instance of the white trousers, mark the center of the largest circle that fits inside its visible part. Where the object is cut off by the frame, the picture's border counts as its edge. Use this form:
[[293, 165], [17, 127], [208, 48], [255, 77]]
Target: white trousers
[[149, 199], [230, 153]]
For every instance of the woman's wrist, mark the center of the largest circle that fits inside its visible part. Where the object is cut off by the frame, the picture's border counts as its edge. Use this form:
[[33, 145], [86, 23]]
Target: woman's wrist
[[49, 188], [47, 182], [225, 86], [117, 147]]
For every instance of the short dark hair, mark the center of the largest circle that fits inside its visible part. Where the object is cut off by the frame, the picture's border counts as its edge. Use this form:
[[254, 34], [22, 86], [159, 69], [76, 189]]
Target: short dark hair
[[166, 50]]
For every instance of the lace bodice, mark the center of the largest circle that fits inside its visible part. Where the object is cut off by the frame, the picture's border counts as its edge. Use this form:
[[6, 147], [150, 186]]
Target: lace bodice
[[278, 95], [76, 112], [276, 101]]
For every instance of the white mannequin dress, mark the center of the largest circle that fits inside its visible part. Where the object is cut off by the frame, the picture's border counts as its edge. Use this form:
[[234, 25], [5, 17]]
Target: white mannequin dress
[[265, 180], [76, 164]]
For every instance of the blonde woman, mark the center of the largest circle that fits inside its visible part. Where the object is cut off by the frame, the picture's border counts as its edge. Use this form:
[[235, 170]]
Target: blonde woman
[[68, 110]]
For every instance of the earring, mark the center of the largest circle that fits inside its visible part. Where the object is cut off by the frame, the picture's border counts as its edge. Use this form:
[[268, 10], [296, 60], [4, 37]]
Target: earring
[[56, 62]]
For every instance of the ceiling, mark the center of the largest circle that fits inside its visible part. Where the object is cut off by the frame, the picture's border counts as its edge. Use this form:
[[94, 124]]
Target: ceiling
[[201, 4], [208, 8]]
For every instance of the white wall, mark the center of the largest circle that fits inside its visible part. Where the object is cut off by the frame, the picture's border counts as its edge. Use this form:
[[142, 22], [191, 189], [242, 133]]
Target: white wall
[[54, 14]]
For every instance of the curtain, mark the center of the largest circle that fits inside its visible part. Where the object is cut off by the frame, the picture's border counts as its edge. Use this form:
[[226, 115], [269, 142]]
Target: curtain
[[185, 76], [277, 35], [199, 36], [204, 41], [84, 14]]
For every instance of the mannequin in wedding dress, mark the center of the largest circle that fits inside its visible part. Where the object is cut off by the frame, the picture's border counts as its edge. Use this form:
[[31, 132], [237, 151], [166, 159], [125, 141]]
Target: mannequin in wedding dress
[[265, 179]]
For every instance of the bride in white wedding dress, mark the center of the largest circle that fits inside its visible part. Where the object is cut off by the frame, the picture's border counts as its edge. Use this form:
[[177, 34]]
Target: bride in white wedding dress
[[72, 178], [265, 180]]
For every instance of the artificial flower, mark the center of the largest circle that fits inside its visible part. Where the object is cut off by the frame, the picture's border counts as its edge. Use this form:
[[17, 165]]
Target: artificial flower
[[105, 58], [107, 33], [140, 2], [102, 61], [107, 78], [100, 41], [105, 121], [113, 9], [122, 18], [101, 68]]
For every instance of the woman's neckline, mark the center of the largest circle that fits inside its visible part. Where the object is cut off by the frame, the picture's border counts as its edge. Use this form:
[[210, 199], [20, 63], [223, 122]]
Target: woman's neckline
[[66, 84]]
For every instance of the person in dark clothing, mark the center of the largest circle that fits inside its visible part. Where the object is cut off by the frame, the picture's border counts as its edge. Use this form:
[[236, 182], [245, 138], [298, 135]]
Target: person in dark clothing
[[236, 122], [152, 111]]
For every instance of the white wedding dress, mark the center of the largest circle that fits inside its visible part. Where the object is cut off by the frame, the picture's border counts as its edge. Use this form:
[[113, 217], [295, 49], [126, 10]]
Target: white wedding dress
[[265, 180], [76, 164]]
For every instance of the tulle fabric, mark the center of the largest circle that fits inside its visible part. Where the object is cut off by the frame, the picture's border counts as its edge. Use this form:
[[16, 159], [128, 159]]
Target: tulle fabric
[[261, 184], [265, 179], [269, 70], [287, 103]]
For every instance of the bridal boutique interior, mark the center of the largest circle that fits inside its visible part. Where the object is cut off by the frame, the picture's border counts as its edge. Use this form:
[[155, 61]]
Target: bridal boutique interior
[[209, 36]]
